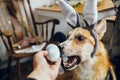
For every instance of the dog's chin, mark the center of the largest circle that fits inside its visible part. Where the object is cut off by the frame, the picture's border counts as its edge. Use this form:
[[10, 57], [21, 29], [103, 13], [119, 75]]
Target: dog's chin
[[70, 62]]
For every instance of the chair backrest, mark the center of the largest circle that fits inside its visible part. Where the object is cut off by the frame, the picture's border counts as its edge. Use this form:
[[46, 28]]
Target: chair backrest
[[5, 42], [21, 28], [45, 29], [5, 28]]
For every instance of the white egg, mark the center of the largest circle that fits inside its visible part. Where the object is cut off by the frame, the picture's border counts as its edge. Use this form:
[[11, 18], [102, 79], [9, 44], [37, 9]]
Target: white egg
[[53, 52]]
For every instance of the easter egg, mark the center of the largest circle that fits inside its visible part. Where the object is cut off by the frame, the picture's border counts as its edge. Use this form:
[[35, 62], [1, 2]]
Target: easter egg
[[53, 52]]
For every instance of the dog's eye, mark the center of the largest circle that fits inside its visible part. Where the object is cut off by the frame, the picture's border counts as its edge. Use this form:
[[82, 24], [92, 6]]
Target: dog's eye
[[80, 38]]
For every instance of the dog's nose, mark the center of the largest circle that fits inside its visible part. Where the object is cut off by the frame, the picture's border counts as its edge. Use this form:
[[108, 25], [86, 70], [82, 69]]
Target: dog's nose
[[60, 46]]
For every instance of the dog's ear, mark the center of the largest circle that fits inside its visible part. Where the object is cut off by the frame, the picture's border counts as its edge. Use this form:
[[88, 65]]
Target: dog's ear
[[71, 16], [100, 28]]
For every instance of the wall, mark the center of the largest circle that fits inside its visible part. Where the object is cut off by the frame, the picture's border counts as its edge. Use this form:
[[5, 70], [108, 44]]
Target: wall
[[37, 3]]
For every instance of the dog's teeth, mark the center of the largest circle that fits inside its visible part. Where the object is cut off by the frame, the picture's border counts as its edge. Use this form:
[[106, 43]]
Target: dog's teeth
[[65, 59], [64, 63]]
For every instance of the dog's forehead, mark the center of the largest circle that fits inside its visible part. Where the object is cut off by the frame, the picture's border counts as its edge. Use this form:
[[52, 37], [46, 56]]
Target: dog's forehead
[[79, 31]]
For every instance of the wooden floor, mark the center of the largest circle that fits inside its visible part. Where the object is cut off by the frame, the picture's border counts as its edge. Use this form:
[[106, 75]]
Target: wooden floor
[[26, 68]]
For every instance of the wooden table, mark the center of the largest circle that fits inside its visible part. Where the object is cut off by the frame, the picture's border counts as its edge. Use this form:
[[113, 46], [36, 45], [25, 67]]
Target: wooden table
[[105, 8], [102, 6]]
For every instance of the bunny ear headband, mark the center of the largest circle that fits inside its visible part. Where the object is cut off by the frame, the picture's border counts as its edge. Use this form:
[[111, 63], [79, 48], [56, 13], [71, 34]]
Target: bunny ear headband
[[90, 15]]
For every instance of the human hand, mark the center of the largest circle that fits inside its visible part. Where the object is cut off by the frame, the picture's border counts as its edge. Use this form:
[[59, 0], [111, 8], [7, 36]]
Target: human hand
[[43, 70]]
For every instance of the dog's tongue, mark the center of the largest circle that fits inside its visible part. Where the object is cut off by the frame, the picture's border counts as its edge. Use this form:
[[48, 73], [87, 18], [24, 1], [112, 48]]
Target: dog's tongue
[[70, 62]]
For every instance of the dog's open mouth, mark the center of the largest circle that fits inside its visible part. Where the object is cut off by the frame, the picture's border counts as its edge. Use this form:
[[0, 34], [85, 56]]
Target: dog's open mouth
[[70, 62]]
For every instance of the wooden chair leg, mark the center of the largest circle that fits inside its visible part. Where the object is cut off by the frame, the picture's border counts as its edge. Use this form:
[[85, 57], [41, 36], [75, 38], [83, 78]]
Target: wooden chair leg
[[9, 66], [18, 69]]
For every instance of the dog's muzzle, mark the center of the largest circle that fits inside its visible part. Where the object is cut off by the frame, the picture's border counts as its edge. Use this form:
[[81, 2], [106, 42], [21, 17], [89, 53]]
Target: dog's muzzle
[[69, 62]]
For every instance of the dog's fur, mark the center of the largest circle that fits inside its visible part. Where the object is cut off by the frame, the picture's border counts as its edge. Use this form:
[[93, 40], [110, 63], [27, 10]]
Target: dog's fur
[[90, 68]]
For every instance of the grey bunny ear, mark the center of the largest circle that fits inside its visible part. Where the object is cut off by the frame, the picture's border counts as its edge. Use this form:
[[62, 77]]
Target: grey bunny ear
[[90, 12], [71, 17], [90, 15]]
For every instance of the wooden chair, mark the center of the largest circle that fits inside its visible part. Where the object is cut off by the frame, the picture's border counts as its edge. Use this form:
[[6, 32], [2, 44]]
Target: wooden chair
[[13, 38]]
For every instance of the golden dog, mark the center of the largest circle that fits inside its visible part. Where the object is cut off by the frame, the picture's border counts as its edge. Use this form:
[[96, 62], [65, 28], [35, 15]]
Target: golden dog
[[78, 48]]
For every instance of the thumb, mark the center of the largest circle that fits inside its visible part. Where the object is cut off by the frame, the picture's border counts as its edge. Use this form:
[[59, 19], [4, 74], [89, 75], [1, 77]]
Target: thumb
[[57, 64]]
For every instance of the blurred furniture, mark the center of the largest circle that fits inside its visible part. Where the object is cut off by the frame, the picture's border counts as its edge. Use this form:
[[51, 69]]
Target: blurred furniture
[[115, 43], [107, 38], [105, 8], [19, 40]]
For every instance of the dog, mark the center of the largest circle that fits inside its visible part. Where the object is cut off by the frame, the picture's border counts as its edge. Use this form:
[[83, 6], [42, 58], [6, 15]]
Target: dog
[[83, 54], [78, 47]]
